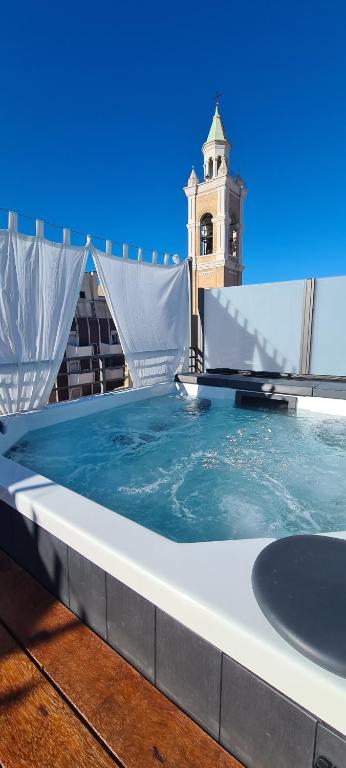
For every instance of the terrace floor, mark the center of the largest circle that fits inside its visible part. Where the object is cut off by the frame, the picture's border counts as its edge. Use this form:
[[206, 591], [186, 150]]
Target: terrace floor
[[66, 698]]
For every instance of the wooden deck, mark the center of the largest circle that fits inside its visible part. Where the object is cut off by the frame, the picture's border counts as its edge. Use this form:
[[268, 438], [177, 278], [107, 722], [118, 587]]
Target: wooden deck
[[67, 699]]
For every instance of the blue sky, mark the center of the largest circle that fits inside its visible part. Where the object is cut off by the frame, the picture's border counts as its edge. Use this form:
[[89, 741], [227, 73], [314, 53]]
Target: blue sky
[[104, 107]]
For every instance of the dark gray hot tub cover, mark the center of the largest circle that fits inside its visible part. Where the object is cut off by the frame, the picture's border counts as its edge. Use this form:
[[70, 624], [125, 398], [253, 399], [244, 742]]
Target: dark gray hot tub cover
[[300, 584]]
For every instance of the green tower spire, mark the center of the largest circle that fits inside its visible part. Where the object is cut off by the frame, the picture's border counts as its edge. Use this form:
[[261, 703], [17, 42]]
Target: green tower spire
[[217, 131]]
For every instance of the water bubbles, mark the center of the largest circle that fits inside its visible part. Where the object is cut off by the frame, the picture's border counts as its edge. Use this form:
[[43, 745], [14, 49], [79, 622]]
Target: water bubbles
[[332, 433], [210, 460]]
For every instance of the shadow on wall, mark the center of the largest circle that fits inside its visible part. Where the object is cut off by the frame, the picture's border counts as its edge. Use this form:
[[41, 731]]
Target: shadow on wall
[[234, 342], [45, 558]]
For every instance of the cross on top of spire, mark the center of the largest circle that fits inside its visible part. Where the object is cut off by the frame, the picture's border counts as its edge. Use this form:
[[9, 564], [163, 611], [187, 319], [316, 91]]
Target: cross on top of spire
[[217, 98]]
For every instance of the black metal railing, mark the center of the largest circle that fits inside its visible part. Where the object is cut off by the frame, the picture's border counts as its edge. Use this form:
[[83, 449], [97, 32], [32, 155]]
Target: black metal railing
[[196, 360]]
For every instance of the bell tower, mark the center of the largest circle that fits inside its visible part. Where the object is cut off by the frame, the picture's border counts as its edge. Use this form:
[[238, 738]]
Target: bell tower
[[215, 216]]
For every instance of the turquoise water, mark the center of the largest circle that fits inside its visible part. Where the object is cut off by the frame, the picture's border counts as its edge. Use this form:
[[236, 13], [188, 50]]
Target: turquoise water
[[199, 471]]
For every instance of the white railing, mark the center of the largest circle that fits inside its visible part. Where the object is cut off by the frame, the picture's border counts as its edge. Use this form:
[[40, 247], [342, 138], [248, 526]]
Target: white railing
[[128, 252]]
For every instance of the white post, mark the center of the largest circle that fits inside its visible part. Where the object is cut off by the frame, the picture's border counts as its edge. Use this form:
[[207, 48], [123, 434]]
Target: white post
[[154, 257], [12, 221], [66, 236], [166, 259], [39, 228], [140, 254], [125, 251], [176, 259], [108, 247]]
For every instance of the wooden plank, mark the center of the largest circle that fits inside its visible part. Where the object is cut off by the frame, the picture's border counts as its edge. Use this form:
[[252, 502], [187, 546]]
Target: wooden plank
[[140, 726], [37, 728]]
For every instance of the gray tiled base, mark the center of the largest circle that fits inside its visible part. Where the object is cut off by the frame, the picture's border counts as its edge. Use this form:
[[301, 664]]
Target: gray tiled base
[[131, 626], [52, 566], [6, 532], [331, 746], [188, 670], [87, 583], [36, 550], [24, 542], [259, 726]]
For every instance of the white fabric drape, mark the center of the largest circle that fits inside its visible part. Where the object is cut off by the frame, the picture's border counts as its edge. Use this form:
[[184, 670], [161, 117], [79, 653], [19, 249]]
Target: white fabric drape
[[150, 308], [39, 287]]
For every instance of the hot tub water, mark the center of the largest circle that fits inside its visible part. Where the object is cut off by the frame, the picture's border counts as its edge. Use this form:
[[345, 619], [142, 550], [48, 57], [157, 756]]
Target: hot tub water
[[193, 470]]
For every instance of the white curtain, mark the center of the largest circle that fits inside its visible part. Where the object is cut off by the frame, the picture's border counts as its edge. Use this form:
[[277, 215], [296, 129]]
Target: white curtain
[[39, 287], [150, 308]]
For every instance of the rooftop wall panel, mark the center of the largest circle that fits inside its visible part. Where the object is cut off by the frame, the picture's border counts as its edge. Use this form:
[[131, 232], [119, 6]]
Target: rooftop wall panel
[[254, 327], [328, 349]]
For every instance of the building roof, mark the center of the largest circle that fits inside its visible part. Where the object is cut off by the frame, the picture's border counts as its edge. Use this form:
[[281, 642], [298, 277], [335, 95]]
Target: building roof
[[217, 131]]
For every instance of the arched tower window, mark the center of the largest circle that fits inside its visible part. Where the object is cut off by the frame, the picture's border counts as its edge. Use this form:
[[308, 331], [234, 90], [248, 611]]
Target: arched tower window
[[233, 236], [206, 234], [219, 162], [210, 168]]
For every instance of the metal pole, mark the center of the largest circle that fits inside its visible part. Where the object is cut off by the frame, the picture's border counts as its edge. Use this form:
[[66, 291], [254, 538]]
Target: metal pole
[[192, 353]]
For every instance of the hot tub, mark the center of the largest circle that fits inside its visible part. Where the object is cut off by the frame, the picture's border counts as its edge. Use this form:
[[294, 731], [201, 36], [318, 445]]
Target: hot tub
[[180, 608]]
